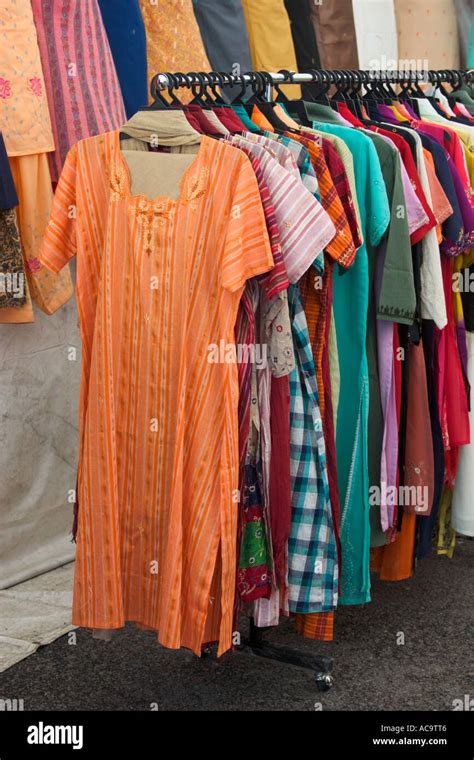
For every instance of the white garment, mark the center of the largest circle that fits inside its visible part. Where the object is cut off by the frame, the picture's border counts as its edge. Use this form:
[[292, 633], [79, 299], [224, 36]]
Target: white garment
[[436, 93], [376, 34], [463, 496]]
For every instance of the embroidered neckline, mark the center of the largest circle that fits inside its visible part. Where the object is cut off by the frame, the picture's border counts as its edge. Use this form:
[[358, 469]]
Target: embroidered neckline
[[193, 183]]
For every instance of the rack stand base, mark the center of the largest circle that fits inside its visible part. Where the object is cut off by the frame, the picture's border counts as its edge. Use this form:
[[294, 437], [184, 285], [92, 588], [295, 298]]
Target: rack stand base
[[319, 664]]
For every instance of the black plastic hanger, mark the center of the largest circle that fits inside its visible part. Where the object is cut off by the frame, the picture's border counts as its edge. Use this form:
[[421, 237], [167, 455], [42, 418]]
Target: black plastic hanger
[[280, 96], [220, 79], [353, 100], [405, 93], [268, 107], [342, 85], [174, 82], [198, 90], [296, 108], [159, 103], [324, 80], [241, 96], [258, 84]]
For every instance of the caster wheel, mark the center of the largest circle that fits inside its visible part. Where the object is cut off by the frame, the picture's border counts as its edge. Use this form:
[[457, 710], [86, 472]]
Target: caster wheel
[[324, 681]]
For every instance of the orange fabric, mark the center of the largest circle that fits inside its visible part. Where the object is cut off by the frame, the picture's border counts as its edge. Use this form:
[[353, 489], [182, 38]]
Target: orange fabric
[[35, 197], [398, 557], [158, 468], [396, 560], [376, 559], [260, 120], [283, 116], [173, 40], [318, 625], [341, 248]]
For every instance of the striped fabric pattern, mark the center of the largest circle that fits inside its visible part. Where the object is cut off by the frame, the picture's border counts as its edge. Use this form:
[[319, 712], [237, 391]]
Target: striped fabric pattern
[[341, 248], [312, 554], [317, 626], [305, 227], [340, 178], [158, 469], [81, 81], [303, 161], [276, 149]]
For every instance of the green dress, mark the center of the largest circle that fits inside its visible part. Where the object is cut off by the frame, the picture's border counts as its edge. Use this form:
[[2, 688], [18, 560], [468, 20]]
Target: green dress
[[350, 303]]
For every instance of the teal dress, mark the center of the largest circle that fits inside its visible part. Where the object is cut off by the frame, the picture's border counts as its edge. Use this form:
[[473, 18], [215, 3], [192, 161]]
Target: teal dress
[[350, 303]]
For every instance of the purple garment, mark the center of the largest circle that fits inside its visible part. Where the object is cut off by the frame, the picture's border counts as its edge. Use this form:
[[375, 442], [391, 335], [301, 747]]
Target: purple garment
[[467, 212], [389, 458], [409, 110], [387, 114]]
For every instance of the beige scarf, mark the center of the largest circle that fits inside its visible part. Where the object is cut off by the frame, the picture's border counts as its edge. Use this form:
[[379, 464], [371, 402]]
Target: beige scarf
[[170, 128]]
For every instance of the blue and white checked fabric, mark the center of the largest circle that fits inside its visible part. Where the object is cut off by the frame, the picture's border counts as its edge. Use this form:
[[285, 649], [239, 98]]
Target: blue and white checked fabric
[[313, 570]]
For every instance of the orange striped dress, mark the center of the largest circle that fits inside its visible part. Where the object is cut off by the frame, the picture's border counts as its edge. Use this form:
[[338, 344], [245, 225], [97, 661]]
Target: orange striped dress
[[158, 283]]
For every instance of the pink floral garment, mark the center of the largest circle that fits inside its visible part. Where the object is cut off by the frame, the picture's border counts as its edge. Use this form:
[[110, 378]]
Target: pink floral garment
[[24, 116]]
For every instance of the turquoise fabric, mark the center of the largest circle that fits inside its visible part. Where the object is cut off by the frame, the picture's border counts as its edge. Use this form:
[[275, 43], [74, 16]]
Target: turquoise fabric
[[245, 118], [470, 50], [350, 303]]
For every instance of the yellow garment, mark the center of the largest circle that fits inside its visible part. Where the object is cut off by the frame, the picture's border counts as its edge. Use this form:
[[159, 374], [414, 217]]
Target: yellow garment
[[173, 39], [446, 535], [398, 114], [270, 40], [33, 186], [403, 111], [427, 34]]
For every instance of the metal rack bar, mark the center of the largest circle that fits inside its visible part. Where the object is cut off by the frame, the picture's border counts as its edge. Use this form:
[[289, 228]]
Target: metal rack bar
[[162, 81], [397, 76]]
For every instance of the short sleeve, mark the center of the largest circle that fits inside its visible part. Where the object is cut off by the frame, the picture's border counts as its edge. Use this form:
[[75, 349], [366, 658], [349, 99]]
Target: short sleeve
[[397, 297], [378, 210], [246, 250], [59, 241]]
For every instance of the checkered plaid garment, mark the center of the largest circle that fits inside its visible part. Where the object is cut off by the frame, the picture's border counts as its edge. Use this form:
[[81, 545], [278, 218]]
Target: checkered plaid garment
[[312, 555]]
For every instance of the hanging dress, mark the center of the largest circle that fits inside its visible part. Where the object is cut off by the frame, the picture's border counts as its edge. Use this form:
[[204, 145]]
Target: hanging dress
[[81, 81], [158, 468], [26, 128], [125, 29], [173, 39]]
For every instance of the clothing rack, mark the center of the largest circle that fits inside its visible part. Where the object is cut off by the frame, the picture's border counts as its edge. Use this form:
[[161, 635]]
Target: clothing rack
[[270, 80], [265, 82]]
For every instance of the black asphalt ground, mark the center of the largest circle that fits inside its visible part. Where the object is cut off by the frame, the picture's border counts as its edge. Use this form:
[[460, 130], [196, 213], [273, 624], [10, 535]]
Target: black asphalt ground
[[434, 611]]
